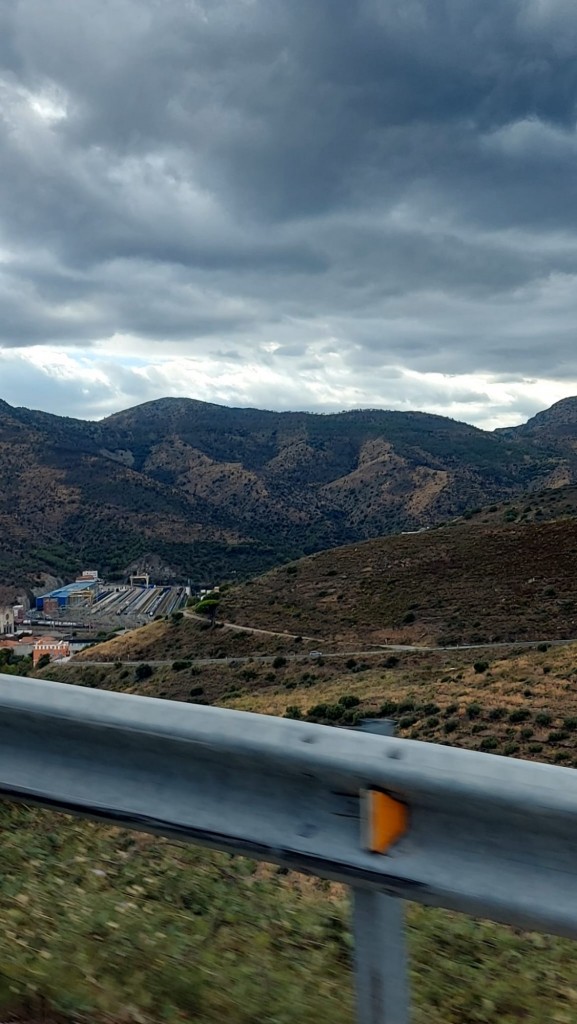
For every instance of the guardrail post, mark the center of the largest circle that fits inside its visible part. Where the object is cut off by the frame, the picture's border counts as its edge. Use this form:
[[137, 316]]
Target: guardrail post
[[381, 967], [380, 958]]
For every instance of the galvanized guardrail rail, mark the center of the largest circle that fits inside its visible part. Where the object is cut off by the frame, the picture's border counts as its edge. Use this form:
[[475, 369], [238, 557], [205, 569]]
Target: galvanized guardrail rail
[[394, 819]]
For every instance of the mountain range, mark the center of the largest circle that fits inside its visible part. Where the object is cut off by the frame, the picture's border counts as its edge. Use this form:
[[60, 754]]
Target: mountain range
[[200, 490]]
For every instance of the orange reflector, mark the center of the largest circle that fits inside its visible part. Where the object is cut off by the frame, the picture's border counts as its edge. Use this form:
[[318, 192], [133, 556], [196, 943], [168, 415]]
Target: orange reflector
[[384, 820]]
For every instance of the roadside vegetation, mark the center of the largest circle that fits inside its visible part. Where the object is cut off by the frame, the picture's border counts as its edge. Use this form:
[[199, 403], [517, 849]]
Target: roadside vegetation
[[106, 926], [520, 702]]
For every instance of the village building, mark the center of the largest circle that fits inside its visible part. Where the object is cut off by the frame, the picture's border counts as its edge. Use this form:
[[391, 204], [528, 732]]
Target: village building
[[55, 649]]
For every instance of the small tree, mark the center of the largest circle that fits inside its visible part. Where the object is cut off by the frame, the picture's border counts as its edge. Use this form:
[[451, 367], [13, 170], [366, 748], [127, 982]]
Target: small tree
[[142, 672], [209, 607]]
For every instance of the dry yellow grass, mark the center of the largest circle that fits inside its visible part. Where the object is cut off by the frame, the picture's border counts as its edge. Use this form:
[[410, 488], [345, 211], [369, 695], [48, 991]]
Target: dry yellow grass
[[524, 703], [188, 639]]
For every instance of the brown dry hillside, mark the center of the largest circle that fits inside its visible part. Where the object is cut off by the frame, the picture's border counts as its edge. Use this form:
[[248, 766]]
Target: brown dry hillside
[[464, 584], [533, 507], [522, 704], [211, 492], [187, 638]]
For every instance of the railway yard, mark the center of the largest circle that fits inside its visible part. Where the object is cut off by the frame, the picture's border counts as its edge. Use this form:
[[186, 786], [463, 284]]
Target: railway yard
[[137, 602], [109, 605]]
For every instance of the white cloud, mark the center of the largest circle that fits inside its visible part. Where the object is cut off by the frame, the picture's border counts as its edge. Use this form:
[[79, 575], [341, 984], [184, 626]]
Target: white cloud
[[65, 382]]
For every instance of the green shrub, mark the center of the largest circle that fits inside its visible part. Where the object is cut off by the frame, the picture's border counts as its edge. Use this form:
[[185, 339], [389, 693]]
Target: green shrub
[[292, 711], [474, 710], [391, 662], [570, 723], [451, 709], [433, 722], [535, 748], [407, 721], [511, 748], [143, 671], [196, 691], [451, 725], [481, 666], [279, 661], [526, 734], [496, 714], [519, 715], [388, 708], [489, 743], [409, 617], [317, 711], [431, 709], [543, 718], [334, 712], [348, 700], [558, 735], [406, 705], [178, 666]]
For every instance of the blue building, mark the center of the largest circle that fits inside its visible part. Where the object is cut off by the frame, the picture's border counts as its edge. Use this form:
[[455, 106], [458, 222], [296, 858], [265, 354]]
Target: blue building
[[83, 591]]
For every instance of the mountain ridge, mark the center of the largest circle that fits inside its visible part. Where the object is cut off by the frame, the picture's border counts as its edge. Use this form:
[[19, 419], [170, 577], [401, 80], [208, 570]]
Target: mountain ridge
[[216, 491]]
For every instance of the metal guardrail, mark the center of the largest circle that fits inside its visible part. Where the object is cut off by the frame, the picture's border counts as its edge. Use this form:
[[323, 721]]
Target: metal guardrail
[[394, 819]]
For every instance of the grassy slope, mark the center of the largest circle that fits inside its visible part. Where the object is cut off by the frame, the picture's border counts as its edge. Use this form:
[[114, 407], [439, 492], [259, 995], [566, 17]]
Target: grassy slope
[[461, 584], [187, 638], [522, 702]]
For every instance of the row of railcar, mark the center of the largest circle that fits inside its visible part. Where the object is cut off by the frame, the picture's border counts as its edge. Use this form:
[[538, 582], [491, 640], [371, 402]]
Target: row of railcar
[[138, 603]]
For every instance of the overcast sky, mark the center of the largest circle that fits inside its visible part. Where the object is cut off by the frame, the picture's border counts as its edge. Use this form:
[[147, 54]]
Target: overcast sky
[[313, 204]]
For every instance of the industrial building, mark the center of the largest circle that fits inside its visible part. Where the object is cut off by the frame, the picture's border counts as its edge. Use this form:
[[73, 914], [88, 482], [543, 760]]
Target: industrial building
[[83, 591]]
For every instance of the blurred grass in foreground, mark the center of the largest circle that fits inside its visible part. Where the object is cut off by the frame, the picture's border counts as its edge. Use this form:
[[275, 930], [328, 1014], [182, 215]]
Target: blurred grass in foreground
[[102, 925]]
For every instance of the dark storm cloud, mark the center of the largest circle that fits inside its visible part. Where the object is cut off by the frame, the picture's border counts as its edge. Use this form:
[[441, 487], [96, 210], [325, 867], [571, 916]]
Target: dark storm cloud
[[393, 179]]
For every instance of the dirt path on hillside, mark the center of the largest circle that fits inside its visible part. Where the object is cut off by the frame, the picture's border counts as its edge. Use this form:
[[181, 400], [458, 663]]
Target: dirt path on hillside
[[253, 629]]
